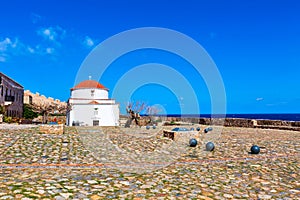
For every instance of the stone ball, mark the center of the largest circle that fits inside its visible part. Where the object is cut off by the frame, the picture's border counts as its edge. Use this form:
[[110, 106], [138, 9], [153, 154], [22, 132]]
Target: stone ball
[[193, 142], [255, 149], [209, 146]]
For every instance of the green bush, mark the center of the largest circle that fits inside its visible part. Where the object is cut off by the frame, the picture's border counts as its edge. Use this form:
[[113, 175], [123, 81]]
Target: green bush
[[28, 113], [7, 119], [2, 110]]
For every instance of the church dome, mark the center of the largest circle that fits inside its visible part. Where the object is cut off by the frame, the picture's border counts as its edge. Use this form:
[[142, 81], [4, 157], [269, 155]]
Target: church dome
[[89, 84]]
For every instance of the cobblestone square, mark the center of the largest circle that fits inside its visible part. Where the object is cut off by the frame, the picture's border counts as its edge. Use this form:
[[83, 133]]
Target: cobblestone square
[[49, 166]]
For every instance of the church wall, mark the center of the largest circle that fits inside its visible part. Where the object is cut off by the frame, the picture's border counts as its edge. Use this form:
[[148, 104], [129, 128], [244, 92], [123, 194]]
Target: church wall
[[82, 114], [107, 115], [87, 101], [90, 93]]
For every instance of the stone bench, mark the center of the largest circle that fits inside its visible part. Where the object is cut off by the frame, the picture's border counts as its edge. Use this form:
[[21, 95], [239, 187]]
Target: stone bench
[[52, 129]]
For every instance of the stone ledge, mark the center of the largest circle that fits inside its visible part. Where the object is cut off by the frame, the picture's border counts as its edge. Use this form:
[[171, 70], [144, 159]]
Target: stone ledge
[[290, 128], [181, 135], [52, 129]]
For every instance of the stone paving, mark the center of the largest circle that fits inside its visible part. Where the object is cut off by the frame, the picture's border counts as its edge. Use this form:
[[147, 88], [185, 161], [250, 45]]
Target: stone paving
[[76, 165]]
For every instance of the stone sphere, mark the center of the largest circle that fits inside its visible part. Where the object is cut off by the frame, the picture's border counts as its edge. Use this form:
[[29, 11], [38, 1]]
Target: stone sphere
[[193, 142], [206, 130], [154, 127], [147, 127], [198, 129], [255, 149], [209, 146]]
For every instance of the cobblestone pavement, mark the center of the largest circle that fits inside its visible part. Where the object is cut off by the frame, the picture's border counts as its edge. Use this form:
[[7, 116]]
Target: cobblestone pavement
[[73, 166]]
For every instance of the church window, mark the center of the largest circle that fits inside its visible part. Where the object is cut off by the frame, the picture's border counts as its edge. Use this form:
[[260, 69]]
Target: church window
[[95, 111]]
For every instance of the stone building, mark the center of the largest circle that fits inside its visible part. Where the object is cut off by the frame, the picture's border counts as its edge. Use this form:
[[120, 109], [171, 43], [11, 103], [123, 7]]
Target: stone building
[[41, 102], [89, 105], [11, 96]]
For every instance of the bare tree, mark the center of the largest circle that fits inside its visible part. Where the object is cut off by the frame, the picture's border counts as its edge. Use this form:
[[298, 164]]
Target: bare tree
[[152, 111], [46, 109], [134, 109]]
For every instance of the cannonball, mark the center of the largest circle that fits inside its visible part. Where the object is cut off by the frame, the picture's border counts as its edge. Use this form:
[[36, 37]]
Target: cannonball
[[154, 127], [198, 129], [255, 149], [192, 129], [206, 130], [209, 146], [147, 127], [209, 128], [193, 142]]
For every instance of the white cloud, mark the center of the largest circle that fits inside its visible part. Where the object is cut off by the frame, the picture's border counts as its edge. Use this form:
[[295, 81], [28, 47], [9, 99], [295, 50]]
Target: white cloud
[[14, 47], [5, 44], [88, 42], [30, 50], [52, 33], [52, 39], [50, 50], [8, 47], [259, 99], [47, 33], [16, 43]]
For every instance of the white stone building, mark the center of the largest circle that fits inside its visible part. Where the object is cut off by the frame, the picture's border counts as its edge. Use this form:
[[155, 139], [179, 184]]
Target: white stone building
[[89, 105]]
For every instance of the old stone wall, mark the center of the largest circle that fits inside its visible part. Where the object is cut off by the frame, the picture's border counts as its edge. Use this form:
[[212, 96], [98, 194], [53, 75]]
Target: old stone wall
[[51, 129], [238, 122], [40, 102]]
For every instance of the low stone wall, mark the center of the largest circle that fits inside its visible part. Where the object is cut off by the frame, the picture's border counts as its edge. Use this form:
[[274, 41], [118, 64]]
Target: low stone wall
[[51, 129], [229, 122], [181, 136], [239, 122]]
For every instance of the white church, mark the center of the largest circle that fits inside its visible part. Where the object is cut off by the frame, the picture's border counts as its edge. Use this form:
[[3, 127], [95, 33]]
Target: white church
[[89, 105]]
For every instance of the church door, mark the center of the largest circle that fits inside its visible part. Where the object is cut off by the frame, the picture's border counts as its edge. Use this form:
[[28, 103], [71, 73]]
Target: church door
[[95, 122]]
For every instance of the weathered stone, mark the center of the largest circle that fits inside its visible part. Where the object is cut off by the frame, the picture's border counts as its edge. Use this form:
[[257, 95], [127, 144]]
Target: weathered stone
[[95, 197], [263, 196], [228, 196], [65, 195], [92, 182], [51, 129]]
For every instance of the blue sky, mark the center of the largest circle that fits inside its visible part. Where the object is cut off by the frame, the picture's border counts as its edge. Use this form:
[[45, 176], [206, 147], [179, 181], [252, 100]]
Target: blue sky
[[254, 44]]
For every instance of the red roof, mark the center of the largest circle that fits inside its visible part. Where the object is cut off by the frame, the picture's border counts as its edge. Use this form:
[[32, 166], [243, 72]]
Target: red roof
[[89, 84], [94, 102]]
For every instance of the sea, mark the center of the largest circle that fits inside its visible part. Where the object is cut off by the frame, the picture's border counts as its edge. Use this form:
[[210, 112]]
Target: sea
[[285, 117]]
